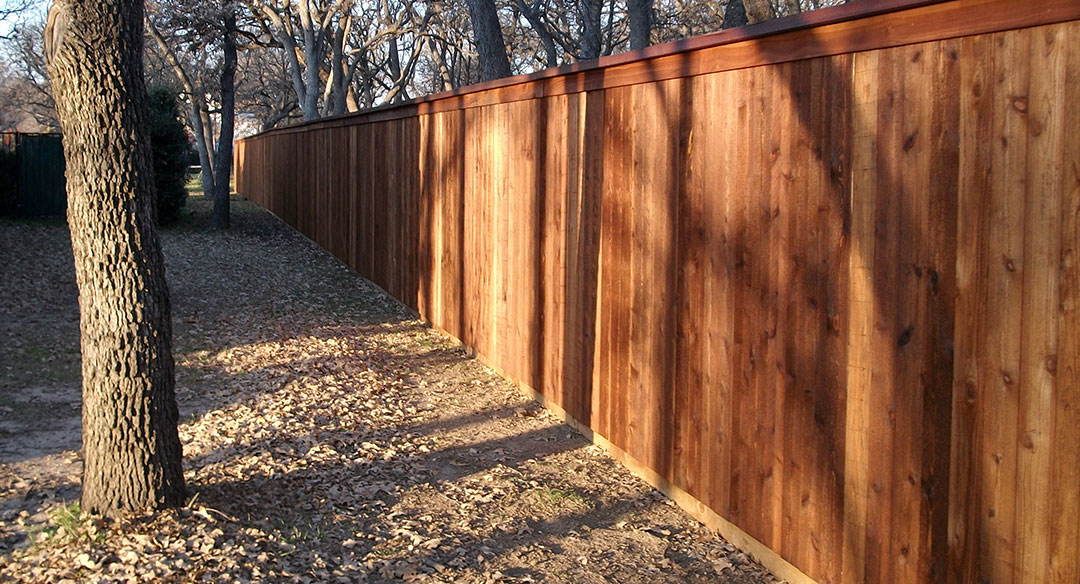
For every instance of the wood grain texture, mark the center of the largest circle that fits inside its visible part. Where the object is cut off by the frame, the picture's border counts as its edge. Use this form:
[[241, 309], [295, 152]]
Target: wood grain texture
[[1065, 460], [832, 301], [1039, 335], [965, 521], [860, 314]]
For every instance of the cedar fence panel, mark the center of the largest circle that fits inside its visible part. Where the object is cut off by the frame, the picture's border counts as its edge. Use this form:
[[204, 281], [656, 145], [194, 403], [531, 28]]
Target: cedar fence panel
[[817, 279]]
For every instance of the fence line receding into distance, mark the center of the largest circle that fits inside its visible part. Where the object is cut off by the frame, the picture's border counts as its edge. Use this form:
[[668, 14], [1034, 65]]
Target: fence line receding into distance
[[820, 284]]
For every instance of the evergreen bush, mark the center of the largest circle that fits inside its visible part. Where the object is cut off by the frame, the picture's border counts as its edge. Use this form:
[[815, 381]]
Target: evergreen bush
[[171, 147]]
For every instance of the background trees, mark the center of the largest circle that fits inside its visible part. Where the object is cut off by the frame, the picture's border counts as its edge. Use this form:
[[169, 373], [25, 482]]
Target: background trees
[[244, 66], [196, 41], [306, 59], [24, 83]]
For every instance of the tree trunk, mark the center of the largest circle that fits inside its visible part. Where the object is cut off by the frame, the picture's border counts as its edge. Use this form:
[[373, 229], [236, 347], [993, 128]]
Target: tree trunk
[[313, 55], [438, 54], [223, 154], [197, 113], [206, 163], [131, 451], [640, 13], [487, 32], [591, 35], [551, 55], [758, 11], [734, 14], [337, 67]]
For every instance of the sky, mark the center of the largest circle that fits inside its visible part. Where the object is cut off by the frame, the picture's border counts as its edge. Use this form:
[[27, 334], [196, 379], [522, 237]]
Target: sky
[[36, 10]]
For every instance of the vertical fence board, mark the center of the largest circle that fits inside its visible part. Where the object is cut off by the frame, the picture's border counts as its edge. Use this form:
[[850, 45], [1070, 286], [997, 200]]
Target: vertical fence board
[[616, 269], [939, 290], [560, 150], [654, 145], [1039, 336], [1004, 282], [1065, 460], [860, 315]]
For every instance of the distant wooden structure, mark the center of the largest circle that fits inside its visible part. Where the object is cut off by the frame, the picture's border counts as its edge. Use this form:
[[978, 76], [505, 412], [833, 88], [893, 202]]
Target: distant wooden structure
[[33, 181], [818, 279]]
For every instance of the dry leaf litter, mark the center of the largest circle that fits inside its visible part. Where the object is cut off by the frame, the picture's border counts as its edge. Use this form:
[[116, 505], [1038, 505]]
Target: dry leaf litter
[[329, 436]]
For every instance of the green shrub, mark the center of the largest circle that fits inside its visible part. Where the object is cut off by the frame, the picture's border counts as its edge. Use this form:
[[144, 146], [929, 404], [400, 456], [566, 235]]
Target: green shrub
[[9, 175], [171, 148]]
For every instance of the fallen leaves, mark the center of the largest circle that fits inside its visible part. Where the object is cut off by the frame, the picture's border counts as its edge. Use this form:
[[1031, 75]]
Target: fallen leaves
[[329, 436]]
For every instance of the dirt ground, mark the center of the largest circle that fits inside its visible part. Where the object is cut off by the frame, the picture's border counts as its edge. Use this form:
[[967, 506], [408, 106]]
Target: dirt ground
[[329, 436]]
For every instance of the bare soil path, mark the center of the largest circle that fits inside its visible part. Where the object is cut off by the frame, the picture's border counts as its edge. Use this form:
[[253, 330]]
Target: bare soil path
[[329, 436]]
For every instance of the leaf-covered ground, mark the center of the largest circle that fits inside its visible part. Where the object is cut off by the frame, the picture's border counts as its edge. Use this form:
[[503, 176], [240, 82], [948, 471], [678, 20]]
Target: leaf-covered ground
[[329, 436]]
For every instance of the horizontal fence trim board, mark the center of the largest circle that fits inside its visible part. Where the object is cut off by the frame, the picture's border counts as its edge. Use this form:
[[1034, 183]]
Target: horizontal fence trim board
[[792, 38]]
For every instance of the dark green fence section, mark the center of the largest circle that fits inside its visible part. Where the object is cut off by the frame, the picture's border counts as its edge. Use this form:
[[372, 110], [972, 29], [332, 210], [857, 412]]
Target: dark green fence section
[[32, 179], [8, 174]]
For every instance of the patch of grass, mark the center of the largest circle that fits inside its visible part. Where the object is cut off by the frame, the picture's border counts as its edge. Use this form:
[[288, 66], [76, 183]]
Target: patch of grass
[[387, 551], [194, 183], [562, 498], [68, 522], [299, 533], [45, 363]]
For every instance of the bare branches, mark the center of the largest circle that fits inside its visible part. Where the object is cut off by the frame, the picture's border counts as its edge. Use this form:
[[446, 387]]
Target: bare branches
[[10, 13]]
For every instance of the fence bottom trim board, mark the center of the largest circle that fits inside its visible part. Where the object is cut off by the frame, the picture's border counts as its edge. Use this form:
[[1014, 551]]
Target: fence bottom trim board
[[768, 558]]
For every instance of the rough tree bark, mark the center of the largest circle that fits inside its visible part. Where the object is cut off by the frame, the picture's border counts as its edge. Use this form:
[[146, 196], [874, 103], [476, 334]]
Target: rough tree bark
[[131, 450], [223, 153], [734, 14], [591, 34], [487, 32], [640, 13], [758, 11]]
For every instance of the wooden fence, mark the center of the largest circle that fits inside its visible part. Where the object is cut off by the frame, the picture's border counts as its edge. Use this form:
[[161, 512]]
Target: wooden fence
[[817, 279], [32, 175]]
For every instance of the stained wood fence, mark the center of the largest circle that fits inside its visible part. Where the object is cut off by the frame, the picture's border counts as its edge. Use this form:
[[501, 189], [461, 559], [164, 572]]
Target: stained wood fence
[[817, 279]]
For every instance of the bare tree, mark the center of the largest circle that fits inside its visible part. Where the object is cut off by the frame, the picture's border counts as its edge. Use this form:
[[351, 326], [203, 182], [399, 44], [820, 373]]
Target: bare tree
[[487, 33], [197, 96], [131, 449], [24, 86], [301, 28], [735, 14], [189, 36], [535, 12], [591, 33], [640, 13], [448, 38], [263, 90], [10, 11], [390, 43]]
